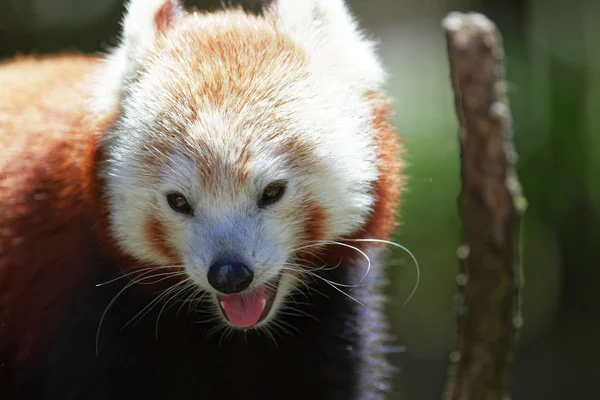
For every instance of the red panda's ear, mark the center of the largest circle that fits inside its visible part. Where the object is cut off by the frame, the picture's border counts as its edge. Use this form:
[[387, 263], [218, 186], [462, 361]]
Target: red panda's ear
[[328, 29], [144, 21], [167, 14]]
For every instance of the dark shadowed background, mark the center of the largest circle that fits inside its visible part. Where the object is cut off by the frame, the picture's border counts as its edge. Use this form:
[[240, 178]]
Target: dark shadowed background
[[553, 61]]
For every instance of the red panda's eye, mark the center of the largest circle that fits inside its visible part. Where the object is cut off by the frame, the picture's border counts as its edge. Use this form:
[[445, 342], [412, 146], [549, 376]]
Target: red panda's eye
[[272, 193], [179, 203]]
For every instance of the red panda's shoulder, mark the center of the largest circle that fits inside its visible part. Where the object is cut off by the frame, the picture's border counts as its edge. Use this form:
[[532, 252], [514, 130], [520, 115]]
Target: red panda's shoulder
[[44, 212], [42, 99], [44, 131]]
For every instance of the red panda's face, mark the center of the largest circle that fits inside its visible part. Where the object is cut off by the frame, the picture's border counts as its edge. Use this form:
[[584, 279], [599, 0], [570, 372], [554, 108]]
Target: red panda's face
[[243, 142]]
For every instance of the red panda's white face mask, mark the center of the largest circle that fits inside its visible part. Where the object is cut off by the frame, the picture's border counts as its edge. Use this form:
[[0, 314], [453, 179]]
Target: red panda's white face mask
[[241, 141]]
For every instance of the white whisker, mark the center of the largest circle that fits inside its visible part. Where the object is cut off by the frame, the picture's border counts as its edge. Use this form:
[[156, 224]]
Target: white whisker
[[178, 291], [196, 296], [129, 284], [418, 269], [137, 271], [151, 305], [319, 242]]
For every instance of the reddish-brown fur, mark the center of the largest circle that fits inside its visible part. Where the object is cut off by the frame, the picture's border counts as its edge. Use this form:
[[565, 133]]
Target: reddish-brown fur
[[315, 223], [157, 236], [45, 215], [390, 181]]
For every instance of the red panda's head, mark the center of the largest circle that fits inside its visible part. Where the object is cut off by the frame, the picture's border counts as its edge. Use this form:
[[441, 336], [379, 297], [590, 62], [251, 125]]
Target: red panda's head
[[242, 142]]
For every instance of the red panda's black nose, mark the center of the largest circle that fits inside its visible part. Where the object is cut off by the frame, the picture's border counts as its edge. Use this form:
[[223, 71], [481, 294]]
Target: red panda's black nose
[[229, 277]]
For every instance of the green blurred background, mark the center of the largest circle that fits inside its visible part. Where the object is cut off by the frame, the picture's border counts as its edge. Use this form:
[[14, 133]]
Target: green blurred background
[[553, 67]]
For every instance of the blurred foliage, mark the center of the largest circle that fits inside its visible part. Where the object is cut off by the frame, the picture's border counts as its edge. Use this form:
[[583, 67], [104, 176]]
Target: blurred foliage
[[553, 67]]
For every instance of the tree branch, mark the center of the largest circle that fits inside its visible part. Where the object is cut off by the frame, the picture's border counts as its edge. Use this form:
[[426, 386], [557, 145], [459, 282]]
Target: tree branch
[[490, 204]]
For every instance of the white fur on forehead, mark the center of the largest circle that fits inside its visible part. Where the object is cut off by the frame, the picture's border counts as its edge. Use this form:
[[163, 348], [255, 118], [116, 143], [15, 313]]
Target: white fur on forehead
[[335, 123], [331, 36]]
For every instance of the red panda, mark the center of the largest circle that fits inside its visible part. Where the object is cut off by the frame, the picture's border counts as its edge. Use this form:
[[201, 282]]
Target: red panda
[[197, 215]]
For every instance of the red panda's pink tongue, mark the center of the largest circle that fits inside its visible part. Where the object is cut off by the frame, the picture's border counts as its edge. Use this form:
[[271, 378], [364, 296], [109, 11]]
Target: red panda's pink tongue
[[243, 310]]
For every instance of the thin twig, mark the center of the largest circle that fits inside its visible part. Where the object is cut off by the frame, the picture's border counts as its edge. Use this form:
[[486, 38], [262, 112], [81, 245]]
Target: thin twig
[[491, 205]]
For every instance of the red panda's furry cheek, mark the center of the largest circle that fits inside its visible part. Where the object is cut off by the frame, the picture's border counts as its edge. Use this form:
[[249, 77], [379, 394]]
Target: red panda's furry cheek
[[313, 230], [315, 224], [387, 189], [156, 233]]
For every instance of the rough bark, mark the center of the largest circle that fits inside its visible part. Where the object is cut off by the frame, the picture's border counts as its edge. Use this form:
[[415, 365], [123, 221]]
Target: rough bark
[[490, 205]]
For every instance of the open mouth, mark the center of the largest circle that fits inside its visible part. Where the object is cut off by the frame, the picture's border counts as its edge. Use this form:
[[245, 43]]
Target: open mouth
[[249, 307]]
